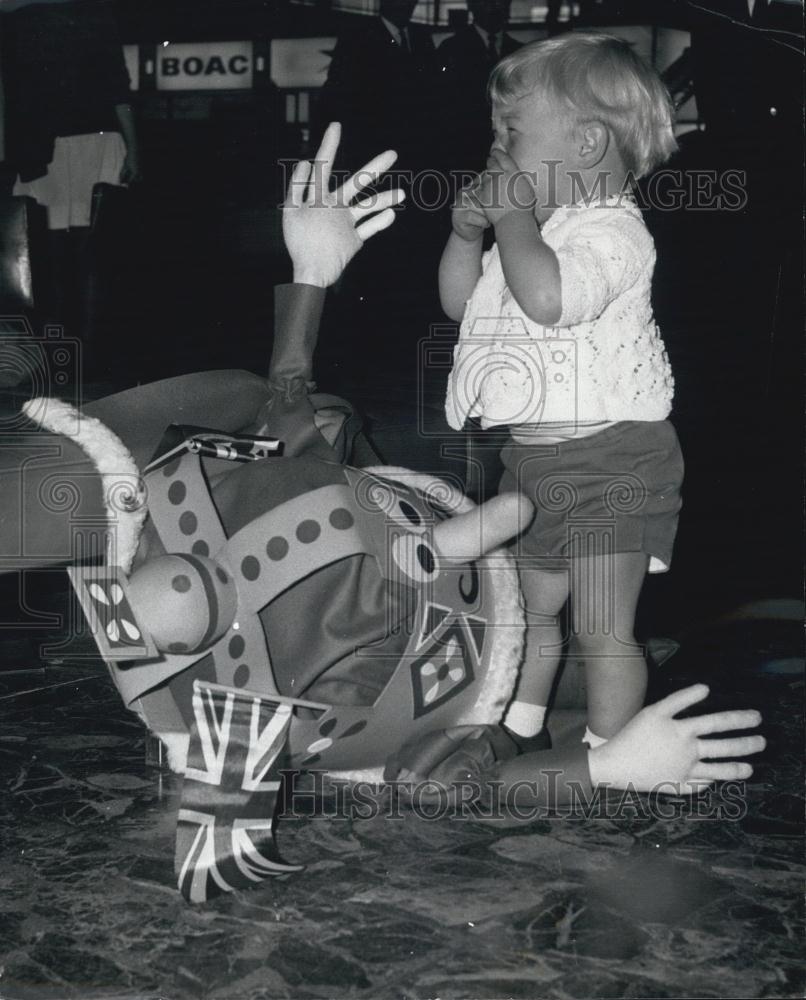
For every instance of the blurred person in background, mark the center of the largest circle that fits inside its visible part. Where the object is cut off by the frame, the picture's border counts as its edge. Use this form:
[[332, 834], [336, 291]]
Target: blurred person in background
[[466, 60], [69, 127], [381, 87]]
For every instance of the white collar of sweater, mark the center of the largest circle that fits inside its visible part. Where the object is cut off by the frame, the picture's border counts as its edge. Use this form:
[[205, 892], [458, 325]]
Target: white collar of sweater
[[624, 199]]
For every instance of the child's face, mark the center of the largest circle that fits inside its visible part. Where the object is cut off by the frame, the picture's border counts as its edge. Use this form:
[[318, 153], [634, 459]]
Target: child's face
[[539, 138]]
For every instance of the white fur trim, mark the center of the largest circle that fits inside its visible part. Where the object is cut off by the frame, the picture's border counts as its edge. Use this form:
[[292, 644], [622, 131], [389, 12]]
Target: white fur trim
[[121, 483], [510, 621], [510, 630]]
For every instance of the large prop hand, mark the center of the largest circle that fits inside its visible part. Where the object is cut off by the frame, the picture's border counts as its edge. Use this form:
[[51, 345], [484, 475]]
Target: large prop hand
[[324, 229], [656, 752]]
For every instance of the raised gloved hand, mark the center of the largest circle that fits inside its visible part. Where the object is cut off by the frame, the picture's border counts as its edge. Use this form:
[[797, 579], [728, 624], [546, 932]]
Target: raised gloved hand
[[324, 229]]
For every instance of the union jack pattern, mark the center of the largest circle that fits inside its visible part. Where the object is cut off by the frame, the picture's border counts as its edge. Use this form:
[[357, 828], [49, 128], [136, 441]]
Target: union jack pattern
[[224, 838]]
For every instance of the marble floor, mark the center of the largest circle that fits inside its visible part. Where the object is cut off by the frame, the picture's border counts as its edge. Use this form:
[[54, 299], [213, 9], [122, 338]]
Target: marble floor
[[638, 905]]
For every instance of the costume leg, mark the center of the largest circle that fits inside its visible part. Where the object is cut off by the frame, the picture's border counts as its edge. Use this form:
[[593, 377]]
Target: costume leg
[[604, 594]]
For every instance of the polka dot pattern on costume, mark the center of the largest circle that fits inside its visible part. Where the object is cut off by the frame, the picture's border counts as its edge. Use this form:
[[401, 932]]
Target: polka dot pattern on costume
[[236, 647], [177, 492], [341, 519], [181, 583], [241, 676], [277, 548], [250, 567], [222, 576], [171, 468], [200, 548], [308, 531], [188, 523]]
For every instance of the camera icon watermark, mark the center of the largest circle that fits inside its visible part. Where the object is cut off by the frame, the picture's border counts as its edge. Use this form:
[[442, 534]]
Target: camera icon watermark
[[504, 374], [42, 365]]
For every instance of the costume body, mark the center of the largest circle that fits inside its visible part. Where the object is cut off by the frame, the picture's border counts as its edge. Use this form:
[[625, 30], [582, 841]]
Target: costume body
[[443, 657], [575, 396]]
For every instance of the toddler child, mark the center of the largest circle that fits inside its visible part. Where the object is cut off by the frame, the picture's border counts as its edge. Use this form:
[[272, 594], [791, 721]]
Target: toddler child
[[558, 343]]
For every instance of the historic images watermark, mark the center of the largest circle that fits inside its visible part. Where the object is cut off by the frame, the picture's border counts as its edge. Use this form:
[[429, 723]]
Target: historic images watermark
[[669, 189], [319, 796]]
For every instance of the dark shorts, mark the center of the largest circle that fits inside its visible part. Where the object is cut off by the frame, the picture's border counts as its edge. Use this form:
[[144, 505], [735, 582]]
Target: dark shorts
[[617, 491]]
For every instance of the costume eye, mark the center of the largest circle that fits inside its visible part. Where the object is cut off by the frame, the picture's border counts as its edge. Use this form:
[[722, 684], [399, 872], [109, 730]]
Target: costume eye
[[416, 557], [403, 514], [410, 513]]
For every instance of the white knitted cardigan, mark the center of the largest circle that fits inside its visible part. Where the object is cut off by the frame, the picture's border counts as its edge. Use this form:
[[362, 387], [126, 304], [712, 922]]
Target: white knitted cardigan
[[604, 361]]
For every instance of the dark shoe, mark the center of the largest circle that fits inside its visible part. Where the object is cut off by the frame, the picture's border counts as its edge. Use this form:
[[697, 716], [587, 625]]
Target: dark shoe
[[529, 744]]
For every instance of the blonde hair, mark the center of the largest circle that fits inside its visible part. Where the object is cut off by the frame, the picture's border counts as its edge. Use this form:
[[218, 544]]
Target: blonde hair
[[598, 77]]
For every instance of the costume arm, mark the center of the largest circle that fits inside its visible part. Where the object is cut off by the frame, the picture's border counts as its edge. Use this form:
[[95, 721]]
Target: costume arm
[[297, 313], [655, 752], [476, 763], [535, 783]]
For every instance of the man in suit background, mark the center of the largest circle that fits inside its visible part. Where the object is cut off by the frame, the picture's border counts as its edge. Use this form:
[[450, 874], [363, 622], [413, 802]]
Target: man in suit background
[[380, 87], [465, 61]]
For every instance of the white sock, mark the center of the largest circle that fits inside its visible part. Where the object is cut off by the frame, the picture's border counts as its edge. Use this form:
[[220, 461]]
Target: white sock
[[592, 739], [525, 719]]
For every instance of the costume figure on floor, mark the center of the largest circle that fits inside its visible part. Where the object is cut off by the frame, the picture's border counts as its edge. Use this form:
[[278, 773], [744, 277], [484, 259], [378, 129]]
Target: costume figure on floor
[[251, 605]]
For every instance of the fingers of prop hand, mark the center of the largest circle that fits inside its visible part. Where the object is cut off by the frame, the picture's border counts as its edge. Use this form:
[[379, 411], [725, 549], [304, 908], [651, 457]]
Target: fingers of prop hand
[[738, 746], [323, 161], [720, 722], [728, 771], [378, 203], [681, 700], [298, 187], [367, 175], [375, 224], [693, 787]]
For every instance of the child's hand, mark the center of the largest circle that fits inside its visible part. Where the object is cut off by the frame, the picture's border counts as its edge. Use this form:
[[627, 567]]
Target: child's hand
[[656, 752], [467, 218], [324, 229], [505, 187]]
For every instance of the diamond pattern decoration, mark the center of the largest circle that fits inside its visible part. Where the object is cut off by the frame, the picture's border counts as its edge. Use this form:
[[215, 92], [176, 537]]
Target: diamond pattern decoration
[[448, 661], [103, 593]]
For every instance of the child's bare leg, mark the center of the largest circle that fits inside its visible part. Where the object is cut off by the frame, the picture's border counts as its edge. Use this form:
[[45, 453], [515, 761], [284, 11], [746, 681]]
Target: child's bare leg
[[544, 592], [604, 592]]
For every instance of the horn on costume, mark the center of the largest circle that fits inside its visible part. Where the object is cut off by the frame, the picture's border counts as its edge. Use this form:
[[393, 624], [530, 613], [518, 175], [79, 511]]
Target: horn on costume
[[469, 536]]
